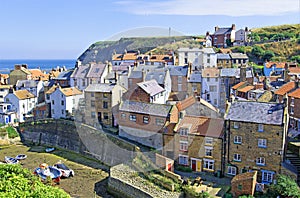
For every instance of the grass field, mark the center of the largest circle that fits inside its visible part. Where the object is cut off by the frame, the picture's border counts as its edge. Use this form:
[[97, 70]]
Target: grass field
[[90, 178]]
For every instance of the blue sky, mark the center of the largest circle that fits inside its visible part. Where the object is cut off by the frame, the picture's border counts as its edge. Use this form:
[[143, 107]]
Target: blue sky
[[63, 29]]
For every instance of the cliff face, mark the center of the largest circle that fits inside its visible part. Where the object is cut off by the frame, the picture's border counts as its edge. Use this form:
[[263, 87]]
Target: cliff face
[[102, 51]]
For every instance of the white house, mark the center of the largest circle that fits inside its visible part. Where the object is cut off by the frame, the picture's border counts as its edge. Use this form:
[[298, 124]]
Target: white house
[[211, 86], [7, 116], [33, 86], [63, 101], [4, 89], [154, 90], [22, 102]]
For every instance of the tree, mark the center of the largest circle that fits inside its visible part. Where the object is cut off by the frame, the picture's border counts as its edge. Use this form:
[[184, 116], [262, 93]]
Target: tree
[[257, 51], [296, 58], [285, 186], [18, 182], [268, 55]]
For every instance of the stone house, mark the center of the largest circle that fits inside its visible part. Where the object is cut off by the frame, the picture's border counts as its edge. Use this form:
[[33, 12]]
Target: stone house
[[222, 36], [256, 138], [135, 77], [102, 103], [4, 79], [156, 59], [223, 60], [63, 101], [239, 59], [196, 142], [195, 84], [283, 90], [78, 78], [22, 102], [294, 112], [178, 78], [142, 122], [243, 184], [20, 72], [97, 73], [211, 86], [242, 37]]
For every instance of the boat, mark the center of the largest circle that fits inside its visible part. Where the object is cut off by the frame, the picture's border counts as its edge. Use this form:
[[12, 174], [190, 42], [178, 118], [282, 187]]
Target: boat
[[11, 160], [48, 150], [21, 157], [44, 171]]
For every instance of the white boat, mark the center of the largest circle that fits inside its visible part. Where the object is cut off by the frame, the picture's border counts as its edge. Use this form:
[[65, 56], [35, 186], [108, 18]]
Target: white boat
[[11, 160], [21, 157], [45, 171], [48, 150]]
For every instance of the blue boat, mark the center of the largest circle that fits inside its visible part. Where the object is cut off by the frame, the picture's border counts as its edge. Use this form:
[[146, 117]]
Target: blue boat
[[44, 171]]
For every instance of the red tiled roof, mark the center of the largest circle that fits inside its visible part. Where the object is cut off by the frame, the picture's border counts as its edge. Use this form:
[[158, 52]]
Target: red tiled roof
[[285, 88], [238, 85], [185, 103], [294, 70], [246, 89], [295, 94], [225, 51], [277, 64]]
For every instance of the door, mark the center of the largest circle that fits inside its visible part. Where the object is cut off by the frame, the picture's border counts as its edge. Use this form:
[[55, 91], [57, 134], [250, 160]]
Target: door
[[194, 165], [99, 117], [199, 166], [170, 167]]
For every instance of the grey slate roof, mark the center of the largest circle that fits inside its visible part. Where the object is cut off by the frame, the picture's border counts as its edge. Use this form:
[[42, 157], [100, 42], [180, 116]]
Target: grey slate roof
[[238, 56], [195, 77], [81, 71], [65, 75], [159, 76], [178, 70], [26, 83], [256, 112], [145, 108], [234, 72], [151, 87], [223, 56], [96, 71], [101, 87], [136, 74], [223, 31]]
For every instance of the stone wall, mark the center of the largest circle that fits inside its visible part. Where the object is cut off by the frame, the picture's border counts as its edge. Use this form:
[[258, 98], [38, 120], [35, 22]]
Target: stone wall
[[80, 138]]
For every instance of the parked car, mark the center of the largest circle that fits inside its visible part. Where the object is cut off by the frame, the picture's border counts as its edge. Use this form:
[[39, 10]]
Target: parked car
[[66, 171]]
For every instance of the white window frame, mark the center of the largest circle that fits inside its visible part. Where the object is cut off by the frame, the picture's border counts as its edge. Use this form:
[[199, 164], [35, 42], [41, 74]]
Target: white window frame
[[145, 119], [292, 101], [261, 161], [237, 157], [183, 145], [260, 128], [236, 125], [183, 131], [132, 118], [209, 140], [231, 170], [185, 159], [209, 164], [267, 176], [291, 110], [237, 139], [262, 143], [208, 151]]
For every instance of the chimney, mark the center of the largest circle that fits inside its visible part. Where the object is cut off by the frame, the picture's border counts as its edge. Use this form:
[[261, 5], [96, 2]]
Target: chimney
[[207, 33], [233, 26], [243, 73], [216, 28], [246, 29], [18, 67], [286, 73], [24, 66]]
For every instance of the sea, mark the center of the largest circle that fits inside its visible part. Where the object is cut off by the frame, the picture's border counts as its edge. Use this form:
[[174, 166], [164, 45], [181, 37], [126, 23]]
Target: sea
[[46, 65]]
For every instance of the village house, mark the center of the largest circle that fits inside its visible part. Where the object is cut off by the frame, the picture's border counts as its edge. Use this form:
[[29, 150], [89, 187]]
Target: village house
[[294, 112], [97, 73], [274, 68], [256, 138], [142, 122], [178, 78], [78, 78], [126, 57], [22, 102], [195, 84], [156, 59], [242, 37], [20, 72], [223, 37], [280, 93], [33, 86], [102, 103], [37, 74], [239, 59], [7, 115], [63, 78], [63, 101], [4, 79], [223, 60], [196, 142], [4, 89], [135, 77], [211, 86]]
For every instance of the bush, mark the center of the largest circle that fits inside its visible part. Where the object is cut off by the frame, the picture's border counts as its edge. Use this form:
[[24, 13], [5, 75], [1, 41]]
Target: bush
[[190, 192], [184, 168], [12, 133]]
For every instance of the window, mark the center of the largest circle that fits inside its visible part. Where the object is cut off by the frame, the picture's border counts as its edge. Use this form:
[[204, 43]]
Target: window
[[179, 79], [132, 118], [183, 131], [47, 96], [260, 161], [92, 94], [208, 140], [62, 103], [159, 121], [93, 114], [62, 112], [183, 160], [212, 88], [183, 145], [73, 100], [105, 105], [208, 164], [291, 110], [237, 157], [53, 111], [179, 87], [236, 125], [185, 60], [92, 103], [105, 95], [123, 115], [146, 119], [231, 170], [208, 79], [267, 176], [237, 140], [208, 151], [262, 143], [292, 101], [215, 102], [105, 116], [53, 102], [62, 95], [83, 83], [216, 79], [260, 127]]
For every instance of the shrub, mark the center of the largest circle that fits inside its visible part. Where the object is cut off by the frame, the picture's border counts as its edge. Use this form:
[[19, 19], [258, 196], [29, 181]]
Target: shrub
[[12, 133], [184, 168]]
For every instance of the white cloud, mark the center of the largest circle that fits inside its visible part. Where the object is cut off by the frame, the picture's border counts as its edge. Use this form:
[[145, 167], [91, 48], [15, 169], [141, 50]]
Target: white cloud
[[216, 7]]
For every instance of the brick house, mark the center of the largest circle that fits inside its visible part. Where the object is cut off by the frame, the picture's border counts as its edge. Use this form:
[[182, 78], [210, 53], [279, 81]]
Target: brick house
[[256, 138], [294, 112], [102, 103], [222, 36], [142, 122], [196, 142], [243, 184], [179, 78]]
